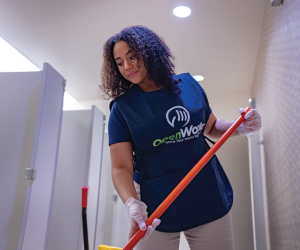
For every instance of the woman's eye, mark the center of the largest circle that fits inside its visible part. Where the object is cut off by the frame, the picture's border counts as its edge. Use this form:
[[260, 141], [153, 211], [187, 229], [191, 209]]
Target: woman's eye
[[119, 64], [132, 57]]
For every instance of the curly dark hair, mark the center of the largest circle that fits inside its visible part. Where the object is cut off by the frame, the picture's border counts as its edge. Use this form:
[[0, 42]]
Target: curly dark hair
[[150, 48]]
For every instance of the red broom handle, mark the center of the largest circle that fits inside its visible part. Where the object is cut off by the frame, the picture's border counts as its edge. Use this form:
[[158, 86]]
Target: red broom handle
[[186, 180]]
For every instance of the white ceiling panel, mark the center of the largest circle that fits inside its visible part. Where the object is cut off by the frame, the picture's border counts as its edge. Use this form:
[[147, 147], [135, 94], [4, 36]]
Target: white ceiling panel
[[219, 40]]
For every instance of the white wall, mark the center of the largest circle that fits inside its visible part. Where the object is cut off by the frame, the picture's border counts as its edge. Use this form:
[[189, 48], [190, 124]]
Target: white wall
[[276, 89]]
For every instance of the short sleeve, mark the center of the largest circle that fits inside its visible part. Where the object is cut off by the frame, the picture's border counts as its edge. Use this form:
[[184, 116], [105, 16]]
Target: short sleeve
[[208, 109], [198, 87], [206, 102], [118, 130]]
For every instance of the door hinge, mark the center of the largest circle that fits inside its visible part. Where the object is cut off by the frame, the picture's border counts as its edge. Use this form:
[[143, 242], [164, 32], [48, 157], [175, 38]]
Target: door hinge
[[30, 174]]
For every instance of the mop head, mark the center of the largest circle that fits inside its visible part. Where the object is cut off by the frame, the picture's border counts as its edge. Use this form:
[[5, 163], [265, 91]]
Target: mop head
[[103, 247]]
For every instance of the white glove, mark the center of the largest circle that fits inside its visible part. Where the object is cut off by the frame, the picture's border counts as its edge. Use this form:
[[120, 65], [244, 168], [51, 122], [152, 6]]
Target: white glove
[[138, 215], [251, 124]]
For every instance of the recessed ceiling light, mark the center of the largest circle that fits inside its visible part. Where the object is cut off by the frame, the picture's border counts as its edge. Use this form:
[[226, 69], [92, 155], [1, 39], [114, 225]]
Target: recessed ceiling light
[[198, 78], [12, 60], [182, 11]]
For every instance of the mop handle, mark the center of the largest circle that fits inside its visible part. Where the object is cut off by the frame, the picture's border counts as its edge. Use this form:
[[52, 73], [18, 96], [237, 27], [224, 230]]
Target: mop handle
[[84, 196], [186, 180]]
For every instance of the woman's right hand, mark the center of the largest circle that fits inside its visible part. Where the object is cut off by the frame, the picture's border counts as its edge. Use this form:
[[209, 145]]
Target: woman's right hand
[[137, 211]]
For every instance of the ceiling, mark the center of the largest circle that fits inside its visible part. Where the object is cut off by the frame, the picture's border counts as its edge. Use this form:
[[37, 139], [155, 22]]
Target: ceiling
[[219, 40]]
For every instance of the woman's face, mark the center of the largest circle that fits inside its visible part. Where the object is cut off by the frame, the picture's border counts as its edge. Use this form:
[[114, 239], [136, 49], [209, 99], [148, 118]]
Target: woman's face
[[127, 63]]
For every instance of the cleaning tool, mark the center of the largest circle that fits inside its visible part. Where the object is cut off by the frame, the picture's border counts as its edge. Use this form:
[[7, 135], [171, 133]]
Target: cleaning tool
[[185, 181], [104, 247], [84, 221]]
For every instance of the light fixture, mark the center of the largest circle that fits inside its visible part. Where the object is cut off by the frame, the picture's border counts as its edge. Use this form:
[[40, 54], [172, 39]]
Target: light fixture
[[198, 78], [12, 60], [182, 11]]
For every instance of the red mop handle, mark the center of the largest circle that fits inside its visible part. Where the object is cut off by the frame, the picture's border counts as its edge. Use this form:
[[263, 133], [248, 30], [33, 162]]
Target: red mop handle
[[186, 180], [84, 220], [84, 196]]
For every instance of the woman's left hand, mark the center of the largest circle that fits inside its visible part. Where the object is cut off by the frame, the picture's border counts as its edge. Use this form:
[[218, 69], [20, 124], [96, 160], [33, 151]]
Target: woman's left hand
[[251, 124]]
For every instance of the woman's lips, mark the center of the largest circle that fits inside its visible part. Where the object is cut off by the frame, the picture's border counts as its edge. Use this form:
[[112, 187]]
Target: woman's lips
[[133, 74]]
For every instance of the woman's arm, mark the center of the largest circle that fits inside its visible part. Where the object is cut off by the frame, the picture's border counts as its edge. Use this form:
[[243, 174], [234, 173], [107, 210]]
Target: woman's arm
[[215, 128], [122, 176], [122, 170]]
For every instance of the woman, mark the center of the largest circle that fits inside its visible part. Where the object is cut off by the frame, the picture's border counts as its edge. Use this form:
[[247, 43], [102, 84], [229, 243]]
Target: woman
[[156, 136]]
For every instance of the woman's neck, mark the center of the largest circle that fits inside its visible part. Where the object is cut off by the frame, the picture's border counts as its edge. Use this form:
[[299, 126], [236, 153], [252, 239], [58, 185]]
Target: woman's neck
[[148, 86]]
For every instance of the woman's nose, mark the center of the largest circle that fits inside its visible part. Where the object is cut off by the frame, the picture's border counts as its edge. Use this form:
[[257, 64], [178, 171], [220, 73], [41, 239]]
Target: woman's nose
[[128, 65]]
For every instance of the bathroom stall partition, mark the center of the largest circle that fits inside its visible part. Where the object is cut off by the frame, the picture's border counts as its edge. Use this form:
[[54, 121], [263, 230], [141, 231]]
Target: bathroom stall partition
[[31, 109], [63, 150], [80, 161], [258, 190]]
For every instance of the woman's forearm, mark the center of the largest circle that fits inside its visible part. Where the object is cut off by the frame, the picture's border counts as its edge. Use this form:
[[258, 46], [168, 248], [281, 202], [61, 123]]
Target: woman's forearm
[[123, 183], [219, 127]]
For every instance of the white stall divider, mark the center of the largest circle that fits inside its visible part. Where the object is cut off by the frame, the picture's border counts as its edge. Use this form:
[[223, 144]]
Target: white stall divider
[[119, 236], [79, 164], [19, 99], [257, 190], [31, 108], [95, 174], [37, 210], [106, 203]]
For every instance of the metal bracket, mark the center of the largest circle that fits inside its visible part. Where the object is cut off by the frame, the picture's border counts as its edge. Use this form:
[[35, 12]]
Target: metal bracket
[[114, 197], [64, 84], [30, 174], [276, 2]]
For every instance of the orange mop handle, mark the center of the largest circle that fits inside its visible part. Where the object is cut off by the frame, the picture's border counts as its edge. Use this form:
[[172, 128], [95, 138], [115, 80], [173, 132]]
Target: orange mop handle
[[186, 180]]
